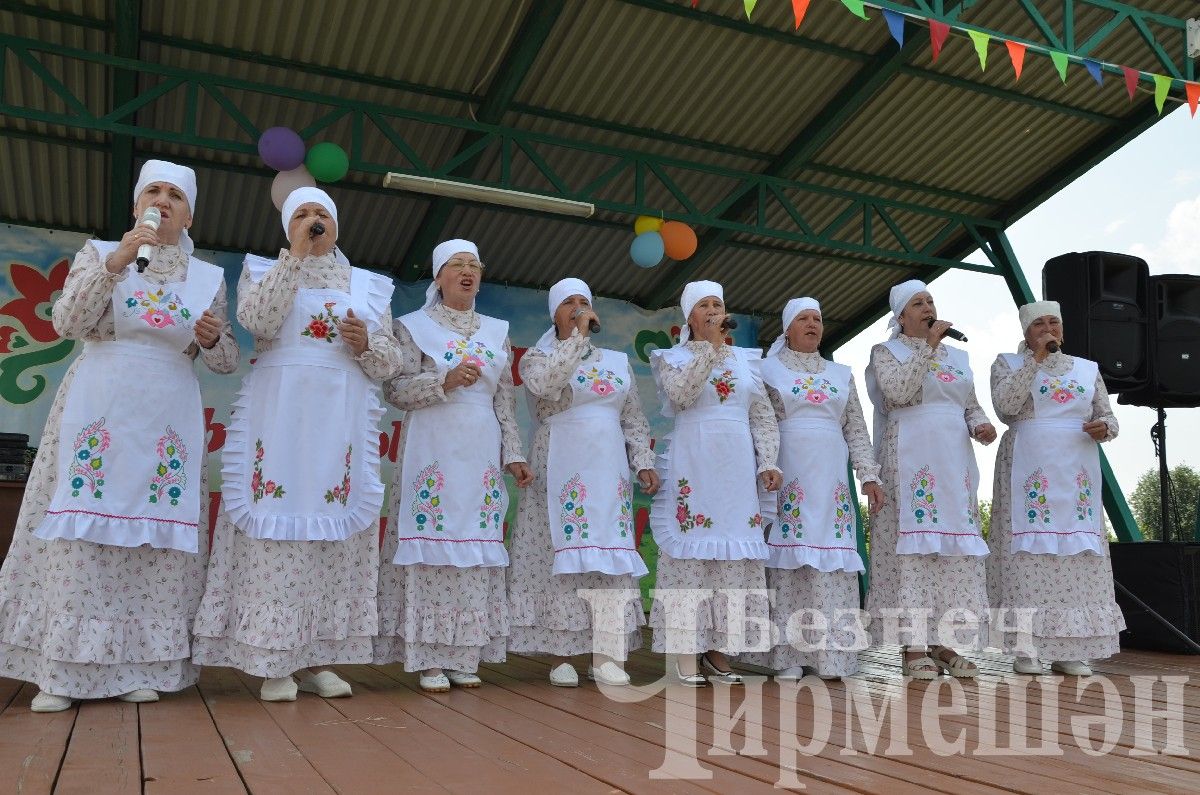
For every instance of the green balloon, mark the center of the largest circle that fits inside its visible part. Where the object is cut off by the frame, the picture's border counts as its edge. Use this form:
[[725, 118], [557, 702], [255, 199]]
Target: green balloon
[[327, 162]]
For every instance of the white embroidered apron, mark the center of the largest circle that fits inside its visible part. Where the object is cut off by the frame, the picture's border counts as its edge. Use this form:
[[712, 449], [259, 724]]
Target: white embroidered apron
[[937, 474], [301, 460], [589, 496], [708, 508], [453, 496], [1056, 467], [132, 435], [814, 523]]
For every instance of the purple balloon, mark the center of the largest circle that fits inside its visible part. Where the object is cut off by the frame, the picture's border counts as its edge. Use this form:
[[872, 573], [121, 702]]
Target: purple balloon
[[281, 149]]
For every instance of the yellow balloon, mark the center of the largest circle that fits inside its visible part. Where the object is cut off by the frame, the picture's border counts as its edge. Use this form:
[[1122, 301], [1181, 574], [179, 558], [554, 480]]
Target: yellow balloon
[[646, 223]]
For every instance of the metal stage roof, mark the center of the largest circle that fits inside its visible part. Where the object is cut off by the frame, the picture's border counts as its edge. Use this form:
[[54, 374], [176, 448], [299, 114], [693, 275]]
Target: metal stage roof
[[827, 161]]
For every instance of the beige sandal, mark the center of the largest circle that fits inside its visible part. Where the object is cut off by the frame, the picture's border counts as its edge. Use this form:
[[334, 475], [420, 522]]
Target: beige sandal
[[958, 666], [922, 668]]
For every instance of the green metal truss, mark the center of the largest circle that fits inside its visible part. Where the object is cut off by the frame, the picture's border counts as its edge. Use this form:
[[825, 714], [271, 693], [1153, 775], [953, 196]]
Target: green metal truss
[[619, 182], [530, 37]]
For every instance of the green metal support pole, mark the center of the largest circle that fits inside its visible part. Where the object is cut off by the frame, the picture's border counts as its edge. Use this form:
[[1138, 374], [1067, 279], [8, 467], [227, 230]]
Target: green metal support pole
[[860, 535], [526, 47], [1114, 499], [127, 25]]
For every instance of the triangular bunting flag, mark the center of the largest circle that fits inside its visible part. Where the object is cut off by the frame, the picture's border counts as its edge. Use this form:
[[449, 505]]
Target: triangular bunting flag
[[1060, 63], [1132, 76], [980, 40], [1193, 96], [895, 23], [750, 4], [695, 3], [799, 9], [1094, 70], [1016, 54], [1162, 87], [856, 8], [938, 31]]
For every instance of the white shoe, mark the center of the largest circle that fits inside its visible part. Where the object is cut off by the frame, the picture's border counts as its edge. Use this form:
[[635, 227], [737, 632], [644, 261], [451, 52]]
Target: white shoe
[[564, 675], [1071, 667], [140, 696], [689, 680], [463, 679], [715, 674], [1027, 665], [435, 684], [325, 684], [795, 672], [48, 702], [282, 688], [609, 673]]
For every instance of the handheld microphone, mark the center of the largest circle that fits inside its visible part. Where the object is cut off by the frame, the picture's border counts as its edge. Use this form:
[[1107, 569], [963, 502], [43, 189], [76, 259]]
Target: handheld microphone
[[952, 333], [151, 218], [316, 230], [1052, 346], [728, 323], [593, 324]]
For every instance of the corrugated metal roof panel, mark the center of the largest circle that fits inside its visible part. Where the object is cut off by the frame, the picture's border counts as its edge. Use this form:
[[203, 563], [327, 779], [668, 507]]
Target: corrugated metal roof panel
[[740, 97]]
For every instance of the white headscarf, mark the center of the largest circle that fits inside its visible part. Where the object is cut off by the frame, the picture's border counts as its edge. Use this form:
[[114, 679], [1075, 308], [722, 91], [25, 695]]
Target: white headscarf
[[308, 195], [694, 293], [790, 310], [898, 298], [181, 177], [561, 291], [441, 255], [1031, 312]]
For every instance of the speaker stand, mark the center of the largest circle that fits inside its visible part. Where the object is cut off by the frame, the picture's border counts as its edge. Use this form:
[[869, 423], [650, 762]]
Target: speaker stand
[[1158, 432]]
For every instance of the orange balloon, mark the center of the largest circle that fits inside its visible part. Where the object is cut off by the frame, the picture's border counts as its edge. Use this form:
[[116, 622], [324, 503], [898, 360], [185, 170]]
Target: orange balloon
[[679, 240]]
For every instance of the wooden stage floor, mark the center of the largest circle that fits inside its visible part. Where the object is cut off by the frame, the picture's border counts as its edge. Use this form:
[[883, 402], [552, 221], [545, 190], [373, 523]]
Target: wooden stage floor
[[518, 734]]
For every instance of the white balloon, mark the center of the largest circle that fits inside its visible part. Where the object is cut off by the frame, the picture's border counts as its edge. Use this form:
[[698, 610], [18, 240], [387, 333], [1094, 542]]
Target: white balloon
[[287, 181]]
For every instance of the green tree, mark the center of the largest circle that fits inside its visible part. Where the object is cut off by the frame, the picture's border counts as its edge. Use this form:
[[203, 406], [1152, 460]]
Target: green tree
[[1147, 508]]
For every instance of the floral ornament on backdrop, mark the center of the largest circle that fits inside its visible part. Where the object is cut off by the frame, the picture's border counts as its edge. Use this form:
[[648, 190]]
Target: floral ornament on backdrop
[[28, 339]]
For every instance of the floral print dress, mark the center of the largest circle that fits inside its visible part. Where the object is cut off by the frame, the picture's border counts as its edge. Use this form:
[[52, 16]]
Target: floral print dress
[[933, 583], [442, 616], [273, 607], [1077, 617], [720, 618], [88, 620], [807, 587], [545, 614]]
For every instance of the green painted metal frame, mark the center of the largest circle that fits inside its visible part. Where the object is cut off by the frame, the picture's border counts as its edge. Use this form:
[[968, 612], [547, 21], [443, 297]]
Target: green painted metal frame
[[1180, 66], [535, 28], [634, 167], [127, 24], [803, 148]]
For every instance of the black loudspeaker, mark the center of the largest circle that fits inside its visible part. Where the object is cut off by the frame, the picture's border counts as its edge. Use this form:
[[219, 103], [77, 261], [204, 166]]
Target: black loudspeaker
[[1174, 348], [1164, 578], [1102, 296]]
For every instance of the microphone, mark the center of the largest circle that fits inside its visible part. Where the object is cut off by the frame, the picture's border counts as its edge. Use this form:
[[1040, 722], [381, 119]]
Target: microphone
[[1052, 346], [151, 218], [316, 230], [593, 324], [728, 323], [952, 333]]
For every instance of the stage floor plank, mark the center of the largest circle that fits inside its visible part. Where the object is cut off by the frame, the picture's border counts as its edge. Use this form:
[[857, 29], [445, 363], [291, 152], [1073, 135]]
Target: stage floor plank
[[517, 734]]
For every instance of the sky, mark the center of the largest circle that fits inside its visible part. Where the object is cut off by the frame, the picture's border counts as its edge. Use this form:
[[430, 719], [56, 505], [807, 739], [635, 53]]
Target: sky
[[1143, 200]]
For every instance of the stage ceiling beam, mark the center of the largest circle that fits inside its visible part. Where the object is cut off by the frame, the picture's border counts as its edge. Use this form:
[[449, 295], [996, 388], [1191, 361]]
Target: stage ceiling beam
[[626, 197], [870, 78], [124, 87], [518, 61]]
